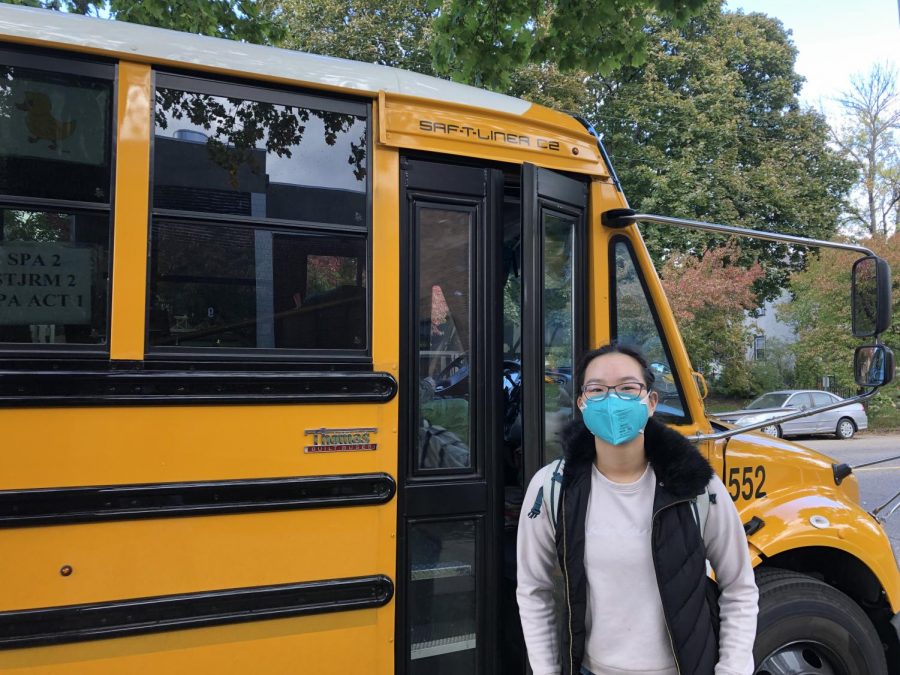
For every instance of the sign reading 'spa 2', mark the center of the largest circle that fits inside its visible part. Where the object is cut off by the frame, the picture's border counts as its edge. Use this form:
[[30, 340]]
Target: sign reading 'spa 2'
[[341, 440], [45, 283]]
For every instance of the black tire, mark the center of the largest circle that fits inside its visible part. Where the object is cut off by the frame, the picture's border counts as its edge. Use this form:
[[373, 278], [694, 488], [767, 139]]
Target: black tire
[[807, 627], [845, 428], [772, 430]]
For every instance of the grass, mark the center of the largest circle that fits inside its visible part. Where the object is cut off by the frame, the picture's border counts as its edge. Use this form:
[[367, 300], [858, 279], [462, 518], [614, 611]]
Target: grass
[[716, 405], [888, 419]]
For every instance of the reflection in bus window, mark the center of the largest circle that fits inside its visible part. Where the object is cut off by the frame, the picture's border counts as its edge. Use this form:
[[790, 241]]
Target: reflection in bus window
[[235, 287], [511, 383], [445, 370], [559, 233], [635, 324], [254, 158]]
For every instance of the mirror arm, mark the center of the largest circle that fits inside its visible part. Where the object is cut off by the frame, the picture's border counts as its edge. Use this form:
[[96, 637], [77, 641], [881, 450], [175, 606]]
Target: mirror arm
[[728, 433], [742, 231]]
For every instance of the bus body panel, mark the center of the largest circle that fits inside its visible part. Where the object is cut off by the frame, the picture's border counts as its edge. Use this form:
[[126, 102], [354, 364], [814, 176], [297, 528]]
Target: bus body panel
[[158, 557], [326, 644], [157, 444], [132, 190], [786, 485], [455, 129]]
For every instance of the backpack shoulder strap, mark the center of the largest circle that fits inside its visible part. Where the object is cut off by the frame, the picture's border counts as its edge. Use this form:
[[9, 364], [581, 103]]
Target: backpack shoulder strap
[[552, 488], [548, 494], [700, 509]]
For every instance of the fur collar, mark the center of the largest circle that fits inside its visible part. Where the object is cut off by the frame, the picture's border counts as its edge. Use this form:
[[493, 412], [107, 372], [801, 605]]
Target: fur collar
[[675, 460]]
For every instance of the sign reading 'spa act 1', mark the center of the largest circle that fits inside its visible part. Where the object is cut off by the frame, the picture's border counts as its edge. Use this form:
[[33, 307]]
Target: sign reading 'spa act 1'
[[44, 283]]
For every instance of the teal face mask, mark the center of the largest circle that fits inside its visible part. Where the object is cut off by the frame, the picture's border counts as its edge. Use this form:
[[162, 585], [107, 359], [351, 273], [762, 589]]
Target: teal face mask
[[615, 420]]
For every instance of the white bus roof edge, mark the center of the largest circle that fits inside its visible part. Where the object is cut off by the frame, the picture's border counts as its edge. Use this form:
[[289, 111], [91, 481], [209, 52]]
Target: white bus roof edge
[[118, 37]]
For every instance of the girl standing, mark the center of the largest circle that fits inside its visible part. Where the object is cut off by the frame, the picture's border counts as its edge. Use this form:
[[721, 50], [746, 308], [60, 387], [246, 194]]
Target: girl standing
[[628, 543]]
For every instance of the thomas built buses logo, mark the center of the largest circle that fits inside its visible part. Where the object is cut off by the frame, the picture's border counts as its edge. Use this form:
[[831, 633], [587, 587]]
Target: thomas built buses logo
[[341, 440]]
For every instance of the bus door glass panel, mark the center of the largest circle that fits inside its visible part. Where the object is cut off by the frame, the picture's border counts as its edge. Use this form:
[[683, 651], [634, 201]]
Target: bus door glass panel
[[442, 601], [634, 323], [445, 369], [442, 598], [559, 318], [511, 260]]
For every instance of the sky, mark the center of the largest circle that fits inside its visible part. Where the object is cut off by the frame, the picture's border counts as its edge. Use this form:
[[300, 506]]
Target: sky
[[835, 39]]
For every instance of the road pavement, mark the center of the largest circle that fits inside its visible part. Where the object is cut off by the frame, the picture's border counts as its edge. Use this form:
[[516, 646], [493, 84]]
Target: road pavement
[[877, 482]]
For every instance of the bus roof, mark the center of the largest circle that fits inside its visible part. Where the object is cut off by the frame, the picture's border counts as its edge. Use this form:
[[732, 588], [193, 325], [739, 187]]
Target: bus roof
[[130, 41]]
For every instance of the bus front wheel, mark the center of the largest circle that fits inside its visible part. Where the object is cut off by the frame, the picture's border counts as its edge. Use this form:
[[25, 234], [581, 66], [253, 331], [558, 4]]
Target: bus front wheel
[[806, 627]]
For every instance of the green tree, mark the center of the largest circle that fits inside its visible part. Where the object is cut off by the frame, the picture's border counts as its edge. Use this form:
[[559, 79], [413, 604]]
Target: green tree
[[388, 32], [710, 127], [775, 371], [233, 19], [870, 138], [484, 43], [820, 314], [400, 33]]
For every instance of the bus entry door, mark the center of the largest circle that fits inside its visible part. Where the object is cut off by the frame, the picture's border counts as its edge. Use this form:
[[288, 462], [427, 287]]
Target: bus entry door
[[491, 318]]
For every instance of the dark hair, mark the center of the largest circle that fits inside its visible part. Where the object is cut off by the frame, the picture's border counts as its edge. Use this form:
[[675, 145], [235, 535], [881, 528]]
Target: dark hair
[[614, 347]]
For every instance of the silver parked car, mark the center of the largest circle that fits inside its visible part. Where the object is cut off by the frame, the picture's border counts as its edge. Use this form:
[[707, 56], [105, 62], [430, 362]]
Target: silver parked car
[[842, 422]]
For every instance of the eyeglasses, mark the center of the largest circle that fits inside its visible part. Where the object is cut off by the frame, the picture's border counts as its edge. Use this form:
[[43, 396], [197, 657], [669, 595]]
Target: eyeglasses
[[625, 390]]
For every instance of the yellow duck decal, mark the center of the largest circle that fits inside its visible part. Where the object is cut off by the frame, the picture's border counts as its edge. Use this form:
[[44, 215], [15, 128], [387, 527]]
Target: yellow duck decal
[[41, 123]]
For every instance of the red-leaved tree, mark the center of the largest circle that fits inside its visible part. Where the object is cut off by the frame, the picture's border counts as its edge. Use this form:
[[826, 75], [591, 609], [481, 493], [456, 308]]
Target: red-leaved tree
[[710, 296]]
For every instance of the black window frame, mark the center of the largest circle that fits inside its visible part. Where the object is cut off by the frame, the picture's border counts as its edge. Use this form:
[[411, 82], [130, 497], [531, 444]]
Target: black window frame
[[278, 95], [614, 242], [80, 65]]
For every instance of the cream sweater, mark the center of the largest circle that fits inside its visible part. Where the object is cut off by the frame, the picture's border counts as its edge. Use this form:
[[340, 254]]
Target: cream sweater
[[626, 631]]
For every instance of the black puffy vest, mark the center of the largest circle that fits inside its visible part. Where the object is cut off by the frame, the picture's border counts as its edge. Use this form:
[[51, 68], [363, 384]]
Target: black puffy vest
[[678, 552]]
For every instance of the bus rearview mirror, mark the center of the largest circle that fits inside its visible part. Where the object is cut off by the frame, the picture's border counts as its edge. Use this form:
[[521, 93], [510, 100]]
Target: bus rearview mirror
[[873, 366], [870, 300]]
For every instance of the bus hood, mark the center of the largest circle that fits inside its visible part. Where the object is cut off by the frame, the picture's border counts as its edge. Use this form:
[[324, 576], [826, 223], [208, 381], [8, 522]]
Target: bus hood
[[756, 466]]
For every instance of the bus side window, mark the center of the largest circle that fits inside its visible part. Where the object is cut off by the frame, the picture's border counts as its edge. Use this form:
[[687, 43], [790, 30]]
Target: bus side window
[[634, 322], [56, 136], [260, 220]]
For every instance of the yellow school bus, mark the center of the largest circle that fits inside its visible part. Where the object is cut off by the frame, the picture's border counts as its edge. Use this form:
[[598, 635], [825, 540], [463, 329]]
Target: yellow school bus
[[283, 338]]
